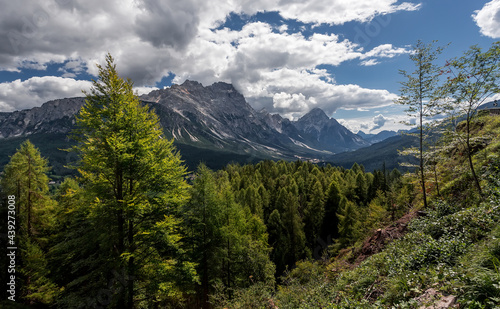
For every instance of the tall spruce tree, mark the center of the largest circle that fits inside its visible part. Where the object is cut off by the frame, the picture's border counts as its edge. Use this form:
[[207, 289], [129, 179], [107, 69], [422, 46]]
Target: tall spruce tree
[[135, 179]]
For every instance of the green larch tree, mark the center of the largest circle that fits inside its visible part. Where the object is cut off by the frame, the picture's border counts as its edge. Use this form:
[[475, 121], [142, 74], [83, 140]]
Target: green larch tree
[[228, 242], [25, 177], [278, 240], [330, 221], [348, 222], [314, 214], [136, 182]]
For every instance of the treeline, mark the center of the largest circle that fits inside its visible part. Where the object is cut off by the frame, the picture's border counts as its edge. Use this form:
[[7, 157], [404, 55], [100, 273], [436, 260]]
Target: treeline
[[134, 230], [228, 230], [306, 208]]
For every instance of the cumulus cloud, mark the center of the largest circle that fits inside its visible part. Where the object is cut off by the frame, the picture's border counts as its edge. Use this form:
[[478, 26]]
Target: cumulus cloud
[[374, 125], [379, 121], [18, 95], [339, 11], [488, 19], [171, 23], [33, 92], [265, 65], [369, 62], [151, 39]]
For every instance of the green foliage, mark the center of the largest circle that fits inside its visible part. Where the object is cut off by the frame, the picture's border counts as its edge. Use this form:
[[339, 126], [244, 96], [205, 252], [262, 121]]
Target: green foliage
[[228, 242], [25, 177], [420, 93], [133, 180], [300, 206], [481, 270], [473, 79], [348, 222]]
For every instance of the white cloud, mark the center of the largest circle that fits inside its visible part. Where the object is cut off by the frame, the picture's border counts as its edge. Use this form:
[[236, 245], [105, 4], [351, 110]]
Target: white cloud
[[369, 62], [379, 121], [33, 92], [339, 11], [151, 38], [265, 66], [374, 125], [143, 90], [488, 19]]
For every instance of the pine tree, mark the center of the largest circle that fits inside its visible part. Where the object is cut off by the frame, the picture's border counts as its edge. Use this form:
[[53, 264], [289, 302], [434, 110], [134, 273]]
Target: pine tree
[[348, 222], [361, 189], [135, 180], [292, 221], [330, 221], [228, 241], [314, 214], [25, 177], [278, 240], [204, 218]]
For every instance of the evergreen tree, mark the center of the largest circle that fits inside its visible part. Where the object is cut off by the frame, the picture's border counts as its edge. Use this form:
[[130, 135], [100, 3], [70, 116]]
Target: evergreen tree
[[348, 222], [330, 221], [361, 189], [203, 215], [295, 227], [228, 241], [278, 241], [314, 214], [25, 177], [135, 180]]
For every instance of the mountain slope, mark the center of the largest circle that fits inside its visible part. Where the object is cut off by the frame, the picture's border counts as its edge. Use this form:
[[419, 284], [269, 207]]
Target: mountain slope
[[374, 156], [215, 121], [375, 138], [327, 133]]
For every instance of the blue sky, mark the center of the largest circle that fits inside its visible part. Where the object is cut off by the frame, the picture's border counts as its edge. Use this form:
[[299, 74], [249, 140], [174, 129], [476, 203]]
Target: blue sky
[[283, 55]]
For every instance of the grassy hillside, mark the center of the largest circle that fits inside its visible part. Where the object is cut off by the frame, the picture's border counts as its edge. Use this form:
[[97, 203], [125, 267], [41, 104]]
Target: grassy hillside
[[448, 253]]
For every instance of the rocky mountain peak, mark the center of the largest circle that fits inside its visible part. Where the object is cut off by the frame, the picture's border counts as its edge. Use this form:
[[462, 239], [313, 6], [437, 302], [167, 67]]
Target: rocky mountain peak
[[314, 115], [191, 84], [215, 116]]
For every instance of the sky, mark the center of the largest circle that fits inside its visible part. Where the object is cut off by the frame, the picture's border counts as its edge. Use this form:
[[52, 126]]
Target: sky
[[287, 56]]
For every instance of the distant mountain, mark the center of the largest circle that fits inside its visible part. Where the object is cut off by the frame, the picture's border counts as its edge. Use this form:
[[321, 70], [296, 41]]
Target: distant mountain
[[328, 133], [374, 156], [490, 105], [375, 138], [211, 124], [52, 117]]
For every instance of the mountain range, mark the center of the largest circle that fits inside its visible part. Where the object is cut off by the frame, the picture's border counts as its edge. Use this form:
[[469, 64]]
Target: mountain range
[[214, 124]]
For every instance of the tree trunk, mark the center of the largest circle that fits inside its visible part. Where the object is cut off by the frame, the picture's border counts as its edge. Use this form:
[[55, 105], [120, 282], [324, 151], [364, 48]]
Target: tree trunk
[[130, 288], [28, 202], [422, 176], [120, 244], [436, 179], [204, 281], [469, 157]]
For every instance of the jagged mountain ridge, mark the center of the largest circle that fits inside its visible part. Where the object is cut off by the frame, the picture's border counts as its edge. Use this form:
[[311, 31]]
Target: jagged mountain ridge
[[376, 138], [212, 117], [55, 116], [328, 132]]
